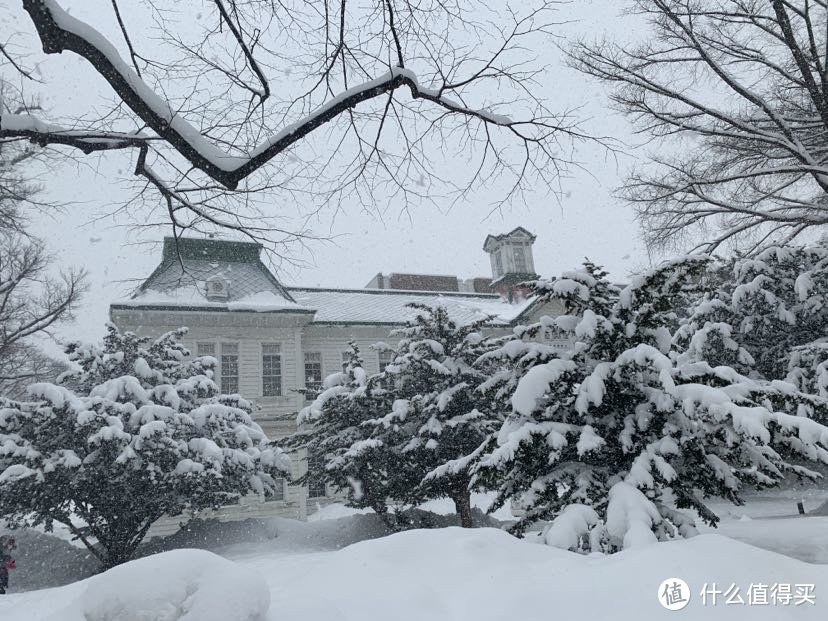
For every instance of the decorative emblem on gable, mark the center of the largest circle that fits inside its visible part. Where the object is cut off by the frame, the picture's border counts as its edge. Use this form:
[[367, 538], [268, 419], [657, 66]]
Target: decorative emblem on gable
[[217, 288]]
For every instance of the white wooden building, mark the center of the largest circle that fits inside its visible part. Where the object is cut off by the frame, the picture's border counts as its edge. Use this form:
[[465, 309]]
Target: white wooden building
[[271, 340]]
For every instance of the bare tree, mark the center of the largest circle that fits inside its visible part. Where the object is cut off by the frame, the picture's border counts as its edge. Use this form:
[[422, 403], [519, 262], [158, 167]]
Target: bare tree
[[231, 106], [24, 364], [735, 92], [33, 298], [31, 303]]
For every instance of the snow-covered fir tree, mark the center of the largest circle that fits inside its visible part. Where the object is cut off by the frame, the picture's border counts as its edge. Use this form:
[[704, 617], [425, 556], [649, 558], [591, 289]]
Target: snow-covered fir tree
[[440, 415], [343, 448], [411, 433], [615, 437], [137, 432], [808, 367], [760, 310]]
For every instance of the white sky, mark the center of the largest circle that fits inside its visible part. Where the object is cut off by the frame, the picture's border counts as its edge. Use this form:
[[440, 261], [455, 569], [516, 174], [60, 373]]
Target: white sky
[[585, 220]]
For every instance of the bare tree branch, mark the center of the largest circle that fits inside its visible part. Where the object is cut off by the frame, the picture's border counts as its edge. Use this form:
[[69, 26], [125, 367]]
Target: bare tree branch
[[735, 91], [392, 85]]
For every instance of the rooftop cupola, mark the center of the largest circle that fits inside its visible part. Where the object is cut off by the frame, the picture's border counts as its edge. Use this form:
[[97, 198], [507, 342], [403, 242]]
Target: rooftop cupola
[[512, 262]]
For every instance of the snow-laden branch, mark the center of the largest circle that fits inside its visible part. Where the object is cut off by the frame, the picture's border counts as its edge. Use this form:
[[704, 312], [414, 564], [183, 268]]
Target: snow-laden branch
[[41, 132], [60, 32]]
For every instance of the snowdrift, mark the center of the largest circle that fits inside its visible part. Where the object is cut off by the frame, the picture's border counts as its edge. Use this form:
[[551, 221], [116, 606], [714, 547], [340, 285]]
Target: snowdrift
[[486, 574], [182, 585], [449, 574]]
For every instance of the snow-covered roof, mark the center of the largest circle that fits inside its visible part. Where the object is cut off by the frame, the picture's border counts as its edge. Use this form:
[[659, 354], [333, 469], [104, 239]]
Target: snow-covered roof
[[188, 265], [181, 282], [383, 306], [492, 241], [193, 297]]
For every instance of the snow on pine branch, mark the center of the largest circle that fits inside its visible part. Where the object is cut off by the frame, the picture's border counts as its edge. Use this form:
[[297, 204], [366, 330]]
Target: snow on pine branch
[[613, 437]]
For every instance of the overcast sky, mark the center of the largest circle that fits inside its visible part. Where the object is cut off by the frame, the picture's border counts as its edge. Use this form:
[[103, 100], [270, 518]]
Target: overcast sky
[[585, 220]]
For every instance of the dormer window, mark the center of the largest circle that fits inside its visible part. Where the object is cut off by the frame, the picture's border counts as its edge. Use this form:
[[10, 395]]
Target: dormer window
[[217, 288]]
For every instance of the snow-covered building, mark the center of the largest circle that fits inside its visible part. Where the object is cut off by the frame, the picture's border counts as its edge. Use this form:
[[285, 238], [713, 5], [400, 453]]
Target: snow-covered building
[[271, 340]]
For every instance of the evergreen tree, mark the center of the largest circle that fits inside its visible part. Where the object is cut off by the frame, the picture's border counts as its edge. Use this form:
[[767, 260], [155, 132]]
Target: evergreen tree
[[336, 433], [760, 309], [442, 415], [411, 433], [137, 432], [614, 437], [808, 368]]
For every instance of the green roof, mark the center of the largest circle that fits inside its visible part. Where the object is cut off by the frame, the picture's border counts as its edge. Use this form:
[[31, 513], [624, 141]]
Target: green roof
[[207, 249]]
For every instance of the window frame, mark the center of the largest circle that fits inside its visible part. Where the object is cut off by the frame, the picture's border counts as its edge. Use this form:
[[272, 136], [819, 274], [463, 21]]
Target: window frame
[[383, 364], [268, 377], [205, 344], [312, 389], [280, 483], [226, 351], [519, 259]]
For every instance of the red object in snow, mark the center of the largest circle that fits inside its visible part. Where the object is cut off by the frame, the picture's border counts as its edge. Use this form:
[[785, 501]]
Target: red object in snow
[[11, 565]]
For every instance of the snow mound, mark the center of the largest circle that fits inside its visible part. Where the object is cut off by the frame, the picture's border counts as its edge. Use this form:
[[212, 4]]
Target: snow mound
[[820, 510], [182, 585], [486, 574]]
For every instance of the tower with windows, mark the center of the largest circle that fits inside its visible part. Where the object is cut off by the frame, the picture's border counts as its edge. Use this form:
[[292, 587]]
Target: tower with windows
[[512, 262]]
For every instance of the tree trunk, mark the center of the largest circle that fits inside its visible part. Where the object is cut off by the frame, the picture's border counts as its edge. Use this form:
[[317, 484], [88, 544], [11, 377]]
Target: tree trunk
[[462, 504], [117, 552]]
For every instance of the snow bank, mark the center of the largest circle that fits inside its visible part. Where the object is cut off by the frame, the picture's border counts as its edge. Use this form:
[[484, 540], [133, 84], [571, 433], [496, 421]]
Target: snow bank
[[450, 574], [486, 574], [183, 585]]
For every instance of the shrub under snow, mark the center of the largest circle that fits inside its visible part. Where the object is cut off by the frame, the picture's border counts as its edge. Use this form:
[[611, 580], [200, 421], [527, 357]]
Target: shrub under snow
[[139, 431]]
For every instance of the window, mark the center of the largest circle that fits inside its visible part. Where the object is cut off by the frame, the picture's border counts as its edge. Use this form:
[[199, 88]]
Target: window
[[520, 259], [206, 349], [278, 489], [313, 374], [385, 358], [229, 368], [316, 484], [498, 263], [271, 370]]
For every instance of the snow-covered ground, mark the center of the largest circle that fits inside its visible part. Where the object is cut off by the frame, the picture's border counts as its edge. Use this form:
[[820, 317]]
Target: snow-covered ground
[[344, 566]]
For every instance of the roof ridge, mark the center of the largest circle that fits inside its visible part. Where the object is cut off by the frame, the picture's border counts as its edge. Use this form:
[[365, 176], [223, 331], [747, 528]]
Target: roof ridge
[[457, 294]]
